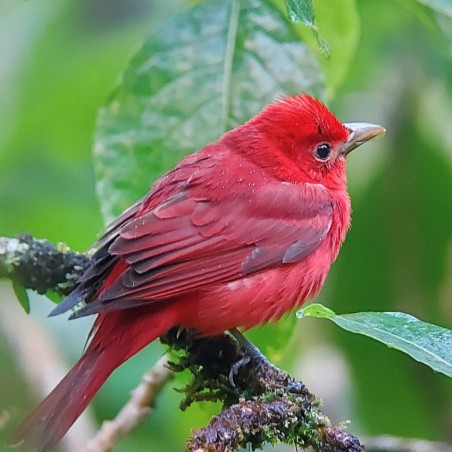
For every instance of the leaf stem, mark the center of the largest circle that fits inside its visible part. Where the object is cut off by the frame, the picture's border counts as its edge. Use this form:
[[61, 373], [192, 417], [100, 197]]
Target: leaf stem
[[228, 61]]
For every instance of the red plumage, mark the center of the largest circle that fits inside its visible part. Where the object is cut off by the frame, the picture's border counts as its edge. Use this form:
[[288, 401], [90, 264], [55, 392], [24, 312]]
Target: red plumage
[[235, 235]]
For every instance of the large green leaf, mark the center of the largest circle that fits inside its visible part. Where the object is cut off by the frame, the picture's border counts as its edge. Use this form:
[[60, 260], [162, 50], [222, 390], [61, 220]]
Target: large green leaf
[[201, 73], [426, 343]]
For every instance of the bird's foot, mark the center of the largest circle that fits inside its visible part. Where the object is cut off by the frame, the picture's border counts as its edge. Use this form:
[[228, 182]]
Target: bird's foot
[[250, 354], [266, 374]]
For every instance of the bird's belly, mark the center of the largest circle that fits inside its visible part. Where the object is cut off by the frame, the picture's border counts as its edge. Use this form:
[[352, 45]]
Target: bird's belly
[[253, 300]]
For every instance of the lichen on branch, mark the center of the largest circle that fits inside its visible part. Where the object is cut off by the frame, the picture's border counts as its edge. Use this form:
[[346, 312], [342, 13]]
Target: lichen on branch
[[38, 265], [264, 405]]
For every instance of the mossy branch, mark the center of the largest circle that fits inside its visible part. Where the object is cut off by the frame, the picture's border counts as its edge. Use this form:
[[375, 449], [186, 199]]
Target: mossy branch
[[265, 405]]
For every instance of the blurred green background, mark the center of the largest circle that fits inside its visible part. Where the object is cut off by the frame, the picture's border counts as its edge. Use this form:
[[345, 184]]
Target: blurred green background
[[59, 62]]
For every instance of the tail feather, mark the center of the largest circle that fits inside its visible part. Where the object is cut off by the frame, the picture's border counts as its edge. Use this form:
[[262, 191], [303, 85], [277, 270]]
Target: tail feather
[[118, 336], [47, 424]]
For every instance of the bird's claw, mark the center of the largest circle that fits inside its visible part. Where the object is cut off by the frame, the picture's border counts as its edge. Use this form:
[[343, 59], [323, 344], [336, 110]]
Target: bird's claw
[[260, 362], [236, 367], [179, 332]]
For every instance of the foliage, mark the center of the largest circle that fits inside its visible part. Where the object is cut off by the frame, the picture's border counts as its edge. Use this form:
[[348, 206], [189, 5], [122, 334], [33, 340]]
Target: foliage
[[172, 99], [192, 80], [427, 343], [303, 11]]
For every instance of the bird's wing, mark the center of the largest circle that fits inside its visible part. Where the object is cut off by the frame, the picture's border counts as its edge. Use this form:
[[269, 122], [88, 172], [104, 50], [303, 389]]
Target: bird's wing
[[104, 266], [191, 241]]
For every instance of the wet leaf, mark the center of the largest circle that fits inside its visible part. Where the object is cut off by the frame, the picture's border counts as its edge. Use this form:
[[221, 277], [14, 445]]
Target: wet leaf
[[427, 343], [203, 72]]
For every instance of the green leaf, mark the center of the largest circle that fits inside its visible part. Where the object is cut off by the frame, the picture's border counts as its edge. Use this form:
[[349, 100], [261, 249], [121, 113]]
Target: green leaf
[[203, 72], [316, 310], [340, 24], [302, 11], [426, 343], [22, 295], [53, 296]]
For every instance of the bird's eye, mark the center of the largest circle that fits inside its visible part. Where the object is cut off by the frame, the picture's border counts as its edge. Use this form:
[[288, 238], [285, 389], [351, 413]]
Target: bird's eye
[[323, 151]]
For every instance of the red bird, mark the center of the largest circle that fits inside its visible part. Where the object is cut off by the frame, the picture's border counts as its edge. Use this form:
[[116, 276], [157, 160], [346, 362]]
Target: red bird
[[235, 235]]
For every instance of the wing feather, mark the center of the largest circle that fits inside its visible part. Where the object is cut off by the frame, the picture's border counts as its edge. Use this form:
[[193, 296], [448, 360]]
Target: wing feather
[[193, 237], [178, 256]]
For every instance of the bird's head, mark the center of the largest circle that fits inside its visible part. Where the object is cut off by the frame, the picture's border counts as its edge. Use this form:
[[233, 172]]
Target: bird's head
[[301, 140]]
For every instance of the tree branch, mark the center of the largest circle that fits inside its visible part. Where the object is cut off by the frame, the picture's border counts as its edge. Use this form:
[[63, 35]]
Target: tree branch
[[40, 363], [39, 265], [140, 405], [264, 405]]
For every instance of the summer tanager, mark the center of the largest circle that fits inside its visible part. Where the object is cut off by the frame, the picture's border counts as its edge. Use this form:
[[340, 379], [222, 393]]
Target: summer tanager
[[236, 235]]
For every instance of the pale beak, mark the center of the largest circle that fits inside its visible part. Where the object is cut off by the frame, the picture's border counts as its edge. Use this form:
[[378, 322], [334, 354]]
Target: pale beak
[[360, 132]]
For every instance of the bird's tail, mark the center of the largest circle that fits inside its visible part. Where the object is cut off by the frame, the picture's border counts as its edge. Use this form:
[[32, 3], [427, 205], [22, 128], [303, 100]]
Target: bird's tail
[[116, 337]]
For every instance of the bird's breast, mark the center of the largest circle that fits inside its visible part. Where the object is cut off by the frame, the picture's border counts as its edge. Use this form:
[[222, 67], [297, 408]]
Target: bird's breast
[[267, 295]]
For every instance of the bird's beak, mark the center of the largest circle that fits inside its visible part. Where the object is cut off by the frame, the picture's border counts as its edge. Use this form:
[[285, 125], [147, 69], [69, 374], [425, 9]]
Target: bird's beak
[[360, 132]]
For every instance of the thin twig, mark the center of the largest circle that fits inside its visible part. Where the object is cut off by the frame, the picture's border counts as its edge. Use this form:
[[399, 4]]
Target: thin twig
[[140, 405], [39, 361]]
